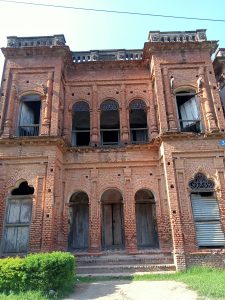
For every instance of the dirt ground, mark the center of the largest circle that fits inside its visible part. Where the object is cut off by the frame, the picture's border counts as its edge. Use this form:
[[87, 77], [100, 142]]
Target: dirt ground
[[133, 290]]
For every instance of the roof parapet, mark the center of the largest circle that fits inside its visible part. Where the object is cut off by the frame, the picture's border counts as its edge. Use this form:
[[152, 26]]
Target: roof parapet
[[37, 41], [198, 35]]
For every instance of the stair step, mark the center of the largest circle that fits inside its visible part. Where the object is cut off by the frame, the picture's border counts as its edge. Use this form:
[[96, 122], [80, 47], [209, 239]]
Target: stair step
[[124, 259], [111, 269], [124, 274]]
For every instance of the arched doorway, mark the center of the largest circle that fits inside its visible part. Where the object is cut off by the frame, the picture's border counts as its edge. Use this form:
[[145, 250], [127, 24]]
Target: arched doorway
[[146, 219], [112, 220], [79, 221]]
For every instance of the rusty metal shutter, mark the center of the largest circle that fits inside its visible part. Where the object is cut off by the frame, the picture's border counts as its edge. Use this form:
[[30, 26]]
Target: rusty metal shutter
[[16, 233], [206, 214]]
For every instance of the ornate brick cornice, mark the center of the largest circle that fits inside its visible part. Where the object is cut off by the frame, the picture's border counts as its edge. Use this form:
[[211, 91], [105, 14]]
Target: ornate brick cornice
[[43, 51], [151, 47], [101, 65]]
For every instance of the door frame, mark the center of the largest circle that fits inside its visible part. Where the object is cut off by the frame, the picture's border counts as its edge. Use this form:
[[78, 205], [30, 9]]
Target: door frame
[[72, 204], [15, 197]]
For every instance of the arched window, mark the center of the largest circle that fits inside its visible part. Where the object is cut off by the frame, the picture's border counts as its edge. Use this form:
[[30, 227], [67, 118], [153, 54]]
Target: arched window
[[110, 123], [17, 219], [138, 122], [29, 120], [80, 124], [188, 111], [206, 213]]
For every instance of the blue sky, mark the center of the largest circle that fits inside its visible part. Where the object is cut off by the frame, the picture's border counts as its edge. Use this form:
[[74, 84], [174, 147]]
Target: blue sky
[[85, 30]]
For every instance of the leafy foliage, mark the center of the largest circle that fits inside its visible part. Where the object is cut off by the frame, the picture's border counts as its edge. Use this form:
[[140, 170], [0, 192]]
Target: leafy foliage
[[50, 273]]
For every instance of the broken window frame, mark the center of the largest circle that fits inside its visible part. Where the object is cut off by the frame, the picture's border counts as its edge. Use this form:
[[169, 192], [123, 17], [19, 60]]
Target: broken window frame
[[32, 128], [106, 106], [135, 105], [192, 124], [80, 106]]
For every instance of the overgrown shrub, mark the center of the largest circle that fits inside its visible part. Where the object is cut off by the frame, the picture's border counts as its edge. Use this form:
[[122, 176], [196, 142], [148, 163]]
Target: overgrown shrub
[[43, 272], [12, 274]]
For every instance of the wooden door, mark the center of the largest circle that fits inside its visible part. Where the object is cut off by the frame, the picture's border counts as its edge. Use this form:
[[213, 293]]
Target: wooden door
[[145, 227], [17, 222], [80, 226], [112, 226]]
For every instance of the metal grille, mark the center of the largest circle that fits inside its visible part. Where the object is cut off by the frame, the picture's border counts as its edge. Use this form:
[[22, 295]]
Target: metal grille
[[81, 106], [109, 105], [137, 104], [201, 183], [209, 232]]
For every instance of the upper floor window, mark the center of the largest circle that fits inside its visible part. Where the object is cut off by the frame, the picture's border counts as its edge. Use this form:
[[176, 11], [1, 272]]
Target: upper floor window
[[80, 124], [29, 120], [138, 122], [110, 123], [188, 112]]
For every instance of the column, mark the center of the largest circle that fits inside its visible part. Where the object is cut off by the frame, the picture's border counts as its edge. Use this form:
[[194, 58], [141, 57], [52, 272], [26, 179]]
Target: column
[[168, 100], [206, 98], [123, 117], [94, 117], [158, 95], [152, 115], [129, 214], [8, 124], [45, 128], [94, 215], [47, 233], [174, 210]]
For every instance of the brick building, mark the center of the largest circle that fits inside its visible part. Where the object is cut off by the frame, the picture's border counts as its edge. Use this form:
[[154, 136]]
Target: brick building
[[113, 150]]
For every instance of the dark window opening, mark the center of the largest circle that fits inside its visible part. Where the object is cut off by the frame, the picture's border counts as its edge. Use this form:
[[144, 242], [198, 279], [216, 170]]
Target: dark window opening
[[138, 122], [23, 189], [30, 116], [188, 113], [109, 123], [80, 124]]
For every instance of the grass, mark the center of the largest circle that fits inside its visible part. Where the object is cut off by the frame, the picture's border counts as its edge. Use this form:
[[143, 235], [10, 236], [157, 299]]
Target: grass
[[207, 282]]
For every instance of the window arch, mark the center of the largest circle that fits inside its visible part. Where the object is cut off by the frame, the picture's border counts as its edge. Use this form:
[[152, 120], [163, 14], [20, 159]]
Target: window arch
[[188, 111], [29, 118], [80, 124], [110, 122], [138, 121], [206, 213]]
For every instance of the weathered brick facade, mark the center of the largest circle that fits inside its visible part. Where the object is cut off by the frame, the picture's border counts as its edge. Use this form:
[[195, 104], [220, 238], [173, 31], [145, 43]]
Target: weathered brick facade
[[163, 164]]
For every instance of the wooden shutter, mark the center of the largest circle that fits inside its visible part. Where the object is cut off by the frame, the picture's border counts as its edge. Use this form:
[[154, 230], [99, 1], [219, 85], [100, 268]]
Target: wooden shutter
[[16, 233], [206, 214]]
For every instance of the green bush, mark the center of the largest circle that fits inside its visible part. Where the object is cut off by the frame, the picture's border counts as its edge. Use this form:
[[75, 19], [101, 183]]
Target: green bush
[[46, 272], [12, 274]]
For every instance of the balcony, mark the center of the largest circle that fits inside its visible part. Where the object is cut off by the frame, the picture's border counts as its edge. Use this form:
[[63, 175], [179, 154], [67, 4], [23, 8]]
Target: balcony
[[139, 135], [110, 137], [190, 126], [28, 130]]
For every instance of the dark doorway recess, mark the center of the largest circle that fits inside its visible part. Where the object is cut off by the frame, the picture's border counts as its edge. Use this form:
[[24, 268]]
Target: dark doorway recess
[[112, 220], [146, 219], [79, 222]]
